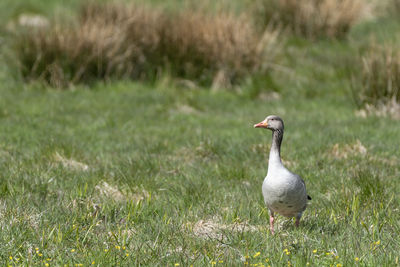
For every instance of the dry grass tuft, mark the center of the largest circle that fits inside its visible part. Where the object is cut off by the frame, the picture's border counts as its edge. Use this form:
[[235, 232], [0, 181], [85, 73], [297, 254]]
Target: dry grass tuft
[[380, 80], [9, 218], [392, 7], [108, 41], [357, 149], [224, 45], [313, 18], [184, 109], [210, 229], [396, 4], [112, 192], [109, 191], [389, 109], [29, 21], [130, 41], [70, 163], [348, 150]]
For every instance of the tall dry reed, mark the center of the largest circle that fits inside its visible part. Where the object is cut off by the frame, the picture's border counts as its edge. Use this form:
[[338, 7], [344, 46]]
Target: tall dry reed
[[380, 76], [312, 18], [131, 41]]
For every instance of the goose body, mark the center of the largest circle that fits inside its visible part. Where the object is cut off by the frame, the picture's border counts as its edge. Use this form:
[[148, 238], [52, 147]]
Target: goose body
[[284, 192]]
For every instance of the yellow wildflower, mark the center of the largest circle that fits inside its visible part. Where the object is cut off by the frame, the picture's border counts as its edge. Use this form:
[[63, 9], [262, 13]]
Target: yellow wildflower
[[40, 254], [221, 261], [176, 264], [73, 250], [105, 250], [127, 254], [314, 251], [93, 262], [339, 265], [213, 263], [256, 255], [267, 260], [118, 247], [123, 248], [11, 257], [357, 259], [46, 264]]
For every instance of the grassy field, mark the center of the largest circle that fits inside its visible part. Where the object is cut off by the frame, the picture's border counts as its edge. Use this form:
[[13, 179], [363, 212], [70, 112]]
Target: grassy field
[[156, 174]]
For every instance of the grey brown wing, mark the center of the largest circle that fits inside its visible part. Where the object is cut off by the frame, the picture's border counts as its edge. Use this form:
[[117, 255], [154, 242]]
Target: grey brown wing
[[304, 183]]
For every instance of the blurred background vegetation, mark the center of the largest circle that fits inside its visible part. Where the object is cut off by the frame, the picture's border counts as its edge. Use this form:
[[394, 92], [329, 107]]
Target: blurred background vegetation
[[212, 44]]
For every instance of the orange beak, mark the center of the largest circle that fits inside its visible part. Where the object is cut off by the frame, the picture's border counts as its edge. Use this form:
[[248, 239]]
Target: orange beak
[[262, 124]]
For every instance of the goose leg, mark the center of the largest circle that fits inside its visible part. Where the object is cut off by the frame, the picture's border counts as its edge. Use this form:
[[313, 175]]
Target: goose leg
[[271, 221], [297, 223]]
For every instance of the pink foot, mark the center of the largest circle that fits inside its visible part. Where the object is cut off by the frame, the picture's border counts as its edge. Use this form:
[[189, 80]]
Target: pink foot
[[297, 223], [271, 224]]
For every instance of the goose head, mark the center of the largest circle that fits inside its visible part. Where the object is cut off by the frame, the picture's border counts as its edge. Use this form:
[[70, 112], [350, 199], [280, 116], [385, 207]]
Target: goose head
[[272, 122]]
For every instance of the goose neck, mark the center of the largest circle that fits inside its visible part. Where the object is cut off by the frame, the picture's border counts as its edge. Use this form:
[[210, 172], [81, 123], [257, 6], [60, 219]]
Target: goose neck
[[275, 152]]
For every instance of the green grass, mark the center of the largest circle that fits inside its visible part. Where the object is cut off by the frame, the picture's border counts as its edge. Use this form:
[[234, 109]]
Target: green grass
[[205, 162], [176, 156]]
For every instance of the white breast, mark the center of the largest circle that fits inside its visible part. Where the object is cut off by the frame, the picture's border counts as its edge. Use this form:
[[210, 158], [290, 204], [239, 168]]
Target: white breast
[[284, 192]]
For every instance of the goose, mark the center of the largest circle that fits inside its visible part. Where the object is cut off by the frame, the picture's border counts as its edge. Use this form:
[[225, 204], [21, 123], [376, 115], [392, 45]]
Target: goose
[[284, 192]]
